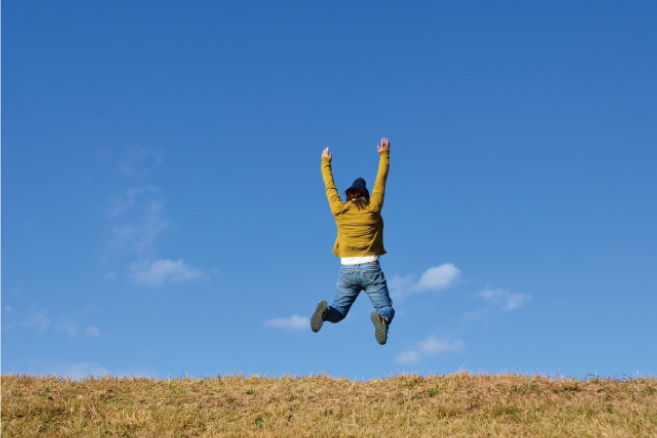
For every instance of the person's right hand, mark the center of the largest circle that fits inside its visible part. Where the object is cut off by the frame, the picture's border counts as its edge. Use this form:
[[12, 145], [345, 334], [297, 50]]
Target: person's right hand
[[325, 153], [384, 146]]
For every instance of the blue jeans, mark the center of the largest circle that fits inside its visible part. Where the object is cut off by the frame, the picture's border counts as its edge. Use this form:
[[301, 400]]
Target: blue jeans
[[354, 279]]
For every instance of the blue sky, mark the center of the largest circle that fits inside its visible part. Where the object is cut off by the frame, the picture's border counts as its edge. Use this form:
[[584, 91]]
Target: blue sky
[[164, 211]]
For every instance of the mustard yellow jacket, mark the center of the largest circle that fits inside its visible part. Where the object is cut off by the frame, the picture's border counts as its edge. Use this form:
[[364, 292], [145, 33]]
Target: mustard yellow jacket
[[360, 225]]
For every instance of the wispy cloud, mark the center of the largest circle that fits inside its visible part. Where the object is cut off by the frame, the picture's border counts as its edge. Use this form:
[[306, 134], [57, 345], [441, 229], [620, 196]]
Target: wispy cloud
[[141, 162], [433, 346], [39, 319], [401, 285], [410, 356], [504, 298], [435, 278], [430, 347], [138, 217], [294, 322], [111, 276], [159, 272], [78, 371], [36, 319], [67, 326], [92, 332], [83, 370], [474, 315]]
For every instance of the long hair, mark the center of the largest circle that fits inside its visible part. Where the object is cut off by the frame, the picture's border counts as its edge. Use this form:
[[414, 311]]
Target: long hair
[[355, 194]]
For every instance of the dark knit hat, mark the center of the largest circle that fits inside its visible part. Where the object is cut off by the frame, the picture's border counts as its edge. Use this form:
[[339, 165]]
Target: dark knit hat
[[360, 185]]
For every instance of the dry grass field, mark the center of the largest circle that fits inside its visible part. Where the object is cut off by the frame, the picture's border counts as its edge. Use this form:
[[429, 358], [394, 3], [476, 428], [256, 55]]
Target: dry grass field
[[458, 405]]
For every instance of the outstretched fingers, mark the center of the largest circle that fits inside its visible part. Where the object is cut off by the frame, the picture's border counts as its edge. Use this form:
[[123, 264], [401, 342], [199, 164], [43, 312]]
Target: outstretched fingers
[[326, 154], [384, 146]]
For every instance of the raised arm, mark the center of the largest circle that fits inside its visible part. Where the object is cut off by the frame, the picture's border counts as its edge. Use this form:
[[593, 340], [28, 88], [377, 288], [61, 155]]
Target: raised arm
[[378, 192], [331, 192]]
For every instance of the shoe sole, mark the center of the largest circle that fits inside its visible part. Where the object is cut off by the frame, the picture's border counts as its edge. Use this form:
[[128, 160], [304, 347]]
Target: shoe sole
[[316, 320], [379, 329]]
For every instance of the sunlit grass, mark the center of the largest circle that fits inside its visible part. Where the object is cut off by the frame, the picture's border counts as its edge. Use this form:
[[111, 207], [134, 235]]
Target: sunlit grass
[[461, 404]]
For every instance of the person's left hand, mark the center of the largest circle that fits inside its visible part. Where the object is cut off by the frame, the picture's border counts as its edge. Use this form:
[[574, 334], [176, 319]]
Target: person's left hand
[[326, 154]]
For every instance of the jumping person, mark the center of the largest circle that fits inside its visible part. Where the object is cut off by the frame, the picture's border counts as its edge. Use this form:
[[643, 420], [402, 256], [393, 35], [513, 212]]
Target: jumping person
[[359, 245]]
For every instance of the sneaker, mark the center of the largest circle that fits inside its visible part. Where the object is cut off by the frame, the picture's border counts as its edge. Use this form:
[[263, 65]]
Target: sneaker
[[319, 316], [380, 328]]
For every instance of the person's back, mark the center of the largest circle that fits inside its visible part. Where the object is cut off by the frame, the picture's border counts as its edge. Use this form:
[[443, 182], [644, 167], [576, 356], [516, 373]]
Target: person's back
[[360, 230], [359, 244]]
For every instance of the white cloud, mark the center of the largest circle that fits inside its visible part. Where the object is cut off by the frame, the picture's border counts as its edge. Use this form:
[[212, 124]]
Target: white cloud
[[140, 163], [400, 286], [434, 278], [37, 318], [504, 298], [438, 277], [430, 347], [92, 332], [159, 272], [410, 356], [83, 370], [433, 346], [78, 371], [67, 326], [138, 218], [474, 315], [294, 322]]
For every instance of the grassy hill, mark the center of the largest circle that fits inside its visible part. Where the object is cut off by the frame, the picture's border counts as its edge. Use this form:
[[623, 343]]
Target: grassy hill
[[458, 405]]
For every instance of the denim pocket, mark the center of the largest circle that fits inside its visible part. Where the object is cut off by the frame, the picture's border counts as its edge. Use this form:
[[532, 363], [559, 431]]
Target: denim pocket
[[376, 277], [346, 279]]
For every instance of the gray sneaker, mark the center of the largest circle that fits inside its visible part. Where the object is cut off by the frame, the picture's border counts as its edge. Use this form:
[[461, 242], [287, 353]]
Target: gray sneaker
[[319, 316], [380, 327]]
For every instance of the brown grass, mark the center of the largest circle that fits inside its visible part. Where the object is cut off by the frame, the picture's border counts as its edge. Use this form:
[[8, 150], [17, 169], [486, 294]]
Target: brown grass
[[459, 405]]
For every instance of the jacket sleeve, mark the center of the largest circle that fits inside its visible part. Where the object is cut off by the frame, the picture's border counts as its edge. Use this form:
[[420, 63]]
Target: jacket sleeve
[[378, 192], [331, 192]]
